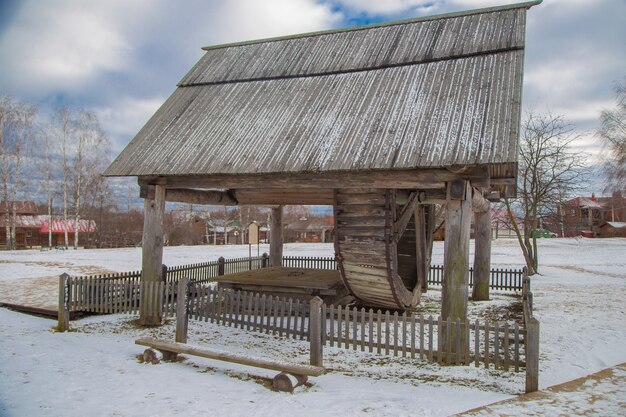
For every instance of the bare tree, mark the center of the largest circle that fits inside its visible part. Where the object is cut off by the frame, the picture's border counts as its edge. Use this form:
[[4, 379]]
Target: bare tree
[[549, 172], [65, 123], [613, 134], [16, 134], [48, 179], [88, 165], [6, 116]]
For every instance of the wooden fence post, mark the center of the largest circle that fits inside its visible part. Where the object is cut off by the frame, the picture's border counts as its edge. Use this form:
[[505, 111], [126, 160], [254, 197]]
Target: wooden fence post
[[532, 355], [220, 265], [265, 260], [64, 314], [164, 273], [182, 313], [315, 331]]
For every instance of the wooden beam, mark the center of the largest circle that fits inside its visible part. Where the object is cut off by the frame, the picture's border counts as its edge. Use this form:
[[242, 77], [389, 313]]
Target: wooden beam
[[479, 203], [431, 178], [276, 237], [405, 215], [424, 229], [432, 197], [201, 197], [456, 258], [273, 196], [482, 255], [152, 250], [295, 369]]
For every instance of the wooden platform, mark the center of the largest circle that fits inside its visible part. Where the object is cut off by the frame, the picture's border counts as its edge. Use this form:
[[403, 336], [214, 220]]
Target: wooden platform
[[289, 282]]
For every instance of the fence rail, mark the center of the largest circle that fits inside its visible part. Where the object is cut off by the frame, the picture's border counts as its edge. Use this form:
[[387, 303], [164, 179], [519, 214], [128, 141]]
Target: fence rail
[[490, 345], [499, 278]]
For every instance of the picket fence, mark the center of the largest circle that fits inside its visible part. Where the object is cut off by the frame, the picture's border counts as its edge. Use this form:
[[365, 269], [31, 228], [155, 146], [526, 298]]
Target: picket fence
[[491, 345]]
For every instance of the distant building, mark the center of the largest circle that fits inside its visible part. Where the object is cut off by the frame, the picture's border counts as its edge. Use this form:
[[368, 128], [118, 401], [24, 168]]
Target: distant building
[[612, 229], [32, 229], [310, 230], [587, 215]]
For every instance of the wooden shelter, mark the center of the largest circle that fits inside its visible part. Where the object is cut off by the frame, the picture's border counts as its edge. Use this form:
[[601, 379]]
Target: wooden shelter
[[380, 121]]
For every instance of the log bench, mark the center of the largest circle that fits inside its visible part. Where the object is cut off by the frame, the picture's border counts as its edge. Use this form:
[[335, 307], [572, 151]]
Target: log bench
[[281, 382]]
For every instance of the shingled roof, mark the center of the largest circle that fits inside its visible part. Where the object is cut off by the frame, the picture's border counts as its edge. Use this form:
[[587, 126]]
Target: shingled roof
[[429, 92]]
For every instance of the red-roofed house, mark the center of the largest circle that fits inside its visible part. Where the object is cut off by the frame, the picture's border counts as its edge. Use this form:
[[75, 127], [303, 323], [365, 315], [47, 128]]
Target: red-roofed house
[[31, 229]]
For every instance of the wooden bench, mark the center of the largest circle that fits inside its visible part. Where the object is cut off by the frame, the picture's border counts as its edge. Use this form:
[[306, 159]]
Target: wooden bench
[[281, 382]]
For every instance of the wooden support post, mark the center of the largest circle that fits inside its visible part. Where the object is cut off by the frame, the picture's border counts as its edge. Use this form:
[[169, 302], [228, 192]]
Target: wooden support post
[[182, 317], [456, 257], [315, 331], [532, 355], [64, 314], [220, 265], [152, 254], [482, 255], [276, 237], [424, 227]]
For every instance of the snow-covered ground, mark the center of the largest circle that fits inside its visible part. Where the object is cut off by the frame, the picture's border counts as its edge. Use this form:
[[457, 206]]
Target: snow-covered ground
[[579, 300]]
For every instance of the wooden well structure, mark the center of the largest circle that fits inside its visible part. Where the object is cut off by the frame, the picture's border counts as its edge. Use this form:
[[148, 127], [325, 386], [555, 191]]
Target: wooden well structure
[[381, 122]]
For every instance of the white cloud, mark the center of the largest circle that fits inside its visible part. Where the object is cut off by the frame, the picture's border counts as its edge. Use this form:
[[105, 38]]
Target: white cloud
[[238, 20], [387, 7], [126, 116], [62, 44]]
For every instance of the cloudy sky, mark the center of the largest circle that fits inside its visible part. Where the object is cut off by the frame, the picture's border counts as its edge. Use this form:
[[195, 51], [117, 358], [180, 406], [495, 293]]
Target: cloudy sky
[[122, 58]]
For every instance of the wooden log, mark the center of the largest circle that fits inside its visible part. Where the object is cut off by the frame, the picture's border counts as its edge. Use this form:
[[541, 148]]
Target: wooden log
[[294, 369], [276, 237], [152, 252], [532, 355], [315, 332], [482, 255], [287, 383], [182, 319], [63, 314], [425, 178], [456, 255]]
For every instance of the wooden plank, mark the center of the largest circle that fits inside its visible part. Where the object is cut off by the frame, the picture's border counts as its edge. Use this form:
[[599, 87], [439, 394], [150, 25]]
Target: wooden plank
[[379, 320], [370, 342], [332, 325], [387, 332], [507, 356], [230, 357], [339, 326], [477, 344], [354, 328], [404, 336], [362, 329], [516, 357]]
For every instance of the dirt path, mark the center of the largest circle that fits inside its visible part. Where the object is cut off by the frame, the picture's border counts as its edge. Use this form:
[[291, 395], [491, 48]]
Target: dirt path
[[599, 394]]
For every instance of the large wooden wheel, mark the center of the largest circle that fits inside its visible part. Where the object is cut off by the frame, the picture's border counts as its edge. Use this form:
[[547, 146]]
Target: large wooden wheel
[[375, 246]]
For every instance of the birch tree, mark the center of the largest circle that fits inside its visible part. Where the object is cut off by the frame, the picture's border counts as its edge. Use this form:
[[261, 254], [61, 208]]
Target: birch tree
[[6, 116], [88, 165], [65, 123], [612, 132], [16, 134], [549, 172], [45, 135]]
